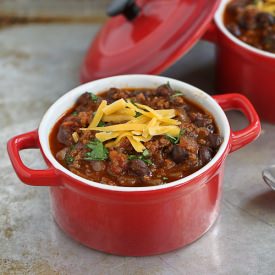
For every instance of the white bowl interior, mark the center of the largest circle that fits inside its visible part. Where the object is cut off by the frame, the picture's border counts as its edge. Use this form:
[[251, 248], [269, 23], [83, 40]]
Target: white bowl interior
[[220, 23], [131, 81]]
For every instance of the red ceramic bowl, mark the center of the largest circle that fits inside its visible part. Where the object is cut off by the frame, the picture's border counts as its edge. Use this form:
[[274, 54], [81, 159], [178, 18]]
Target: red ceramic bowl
[[241, 67], [135, 221]]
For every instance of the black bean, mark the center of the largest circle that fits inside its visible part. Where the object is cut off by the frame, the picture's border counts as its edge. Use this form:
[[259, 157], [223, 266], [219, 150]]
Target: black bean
[[83, 99], [205, 154], [248, 19], [179, 154], [202, 122], [234, 29], [60, 155], [236, 7], [164, 90], [215, 141], [64, 134], [264, 19], [139, 168], [210, 128]]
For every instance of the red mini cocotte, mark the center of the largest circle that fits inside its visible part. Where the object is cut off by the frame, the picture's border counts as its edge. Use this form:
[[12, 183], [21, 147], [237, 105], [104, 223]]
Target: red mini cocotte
[[241, 67], [172, 29], [135, 221]]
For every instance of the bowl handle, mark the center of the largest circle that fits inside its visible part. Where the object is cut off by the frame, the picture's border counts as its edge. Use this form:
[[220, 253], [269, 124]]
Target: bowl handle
[[239, 102], [29, 176], [211, 34]]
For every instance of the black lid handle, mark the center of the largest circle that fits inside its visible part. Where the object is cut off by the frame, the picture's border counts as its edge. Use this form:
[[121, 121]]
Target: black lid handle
[[128, 8]]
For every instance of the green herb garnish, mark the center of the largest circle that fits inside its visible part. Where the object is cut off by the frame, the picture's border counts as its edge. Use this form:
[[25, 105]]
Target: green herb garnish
[[75, 113], [99, 152], [133, 102], [146, 153], [138, 114], [69, 159], [101, 124], [144, 157], [172, 139], [176, 93], [175, 140], [94, 97], [164, 178], [148, 162]]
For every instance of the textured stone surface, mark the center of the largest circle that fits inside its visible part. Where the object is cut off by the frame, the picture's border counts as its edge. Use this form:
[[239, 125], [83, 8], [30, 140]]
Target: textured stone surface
[[39, 63]]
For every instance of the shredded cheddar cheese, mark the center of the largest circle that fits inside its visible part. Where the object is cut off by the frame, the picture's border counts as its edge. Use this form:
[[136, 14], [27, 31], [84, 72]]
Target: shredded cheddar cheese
[[137, 122], [266, 6], [98, 115], [75, 137], [114, 107]]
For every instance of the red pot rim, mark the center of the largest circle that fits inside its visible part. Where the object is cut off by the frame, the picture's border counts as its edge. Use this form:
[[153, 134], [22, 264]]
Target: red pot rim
[[221, 121], [220, 23]]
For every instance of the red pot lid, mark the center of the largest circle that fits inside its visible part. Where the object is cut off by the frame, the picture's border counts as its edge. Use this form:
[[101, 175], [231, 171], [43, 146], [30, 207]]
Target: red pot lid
[[161, 32]]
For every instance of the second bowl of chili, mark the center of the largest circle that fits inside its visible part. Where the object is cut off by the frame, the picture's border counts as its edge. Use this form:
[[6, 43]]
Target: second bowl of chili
[[245, 53]]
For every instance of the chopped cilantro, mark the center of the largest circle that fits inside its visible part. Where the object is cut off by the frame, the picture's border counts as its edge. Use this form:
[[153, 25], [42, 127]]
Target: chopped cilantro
[[94, 97], [138, 114], [131, 157], [175, 140], [177, 93], [75, 113], [99, 152], [164, 178], [101, 124], [69, 159], [144, 157], [133, 102], [146, 153], [172, 139], [147, 161]]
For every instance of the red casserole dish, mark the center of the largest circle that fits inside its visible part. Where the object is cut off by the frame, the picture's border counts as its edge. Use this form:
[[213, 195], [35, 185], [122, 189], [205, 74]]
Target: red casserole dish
[[241, 67], [135, 221]]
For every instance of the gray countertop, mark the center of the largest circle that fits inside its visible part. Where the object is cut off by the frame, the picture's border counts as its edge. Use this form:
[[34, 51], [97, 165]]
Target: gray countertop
[[39, 63]]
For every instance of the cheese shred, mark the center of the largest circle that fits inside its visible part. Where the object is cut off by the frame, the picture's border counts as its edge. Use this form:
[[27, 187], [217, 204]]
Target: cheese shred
[[266, 6], [75, 137], [137, 122]]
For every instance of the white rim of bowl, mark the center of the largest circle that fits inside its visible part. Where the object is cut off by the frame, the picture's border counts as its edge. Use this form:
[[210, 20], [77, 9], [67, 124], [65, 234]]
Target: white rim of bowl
[[219, 21], [44, 139]]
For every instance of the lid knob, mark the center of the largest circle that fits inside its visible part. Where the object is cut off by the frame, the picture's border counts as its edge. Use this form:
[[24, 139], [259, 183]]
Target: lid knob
[[128, 8]]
